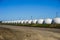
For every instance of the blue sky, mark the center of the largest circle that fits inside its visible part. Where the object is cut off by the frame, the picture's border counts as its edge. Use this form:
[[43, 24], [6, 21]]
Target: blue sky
[[24, 9]]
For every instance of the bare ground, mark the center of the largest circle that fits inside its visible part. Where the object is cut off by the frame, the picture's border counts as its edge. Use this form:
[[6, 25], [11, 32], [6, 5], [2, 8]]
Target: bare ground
[[8, 32]]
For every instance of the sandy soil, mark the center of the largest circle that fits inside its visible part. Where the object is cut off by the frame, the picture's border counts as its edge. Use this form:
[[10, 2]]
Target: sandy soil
[[8, 32]]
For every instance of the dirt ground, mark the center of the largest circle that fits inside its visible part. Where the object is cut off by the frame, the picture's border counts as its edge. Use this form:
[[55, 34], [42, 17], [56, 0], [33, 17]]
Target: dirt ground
[[8, 32]]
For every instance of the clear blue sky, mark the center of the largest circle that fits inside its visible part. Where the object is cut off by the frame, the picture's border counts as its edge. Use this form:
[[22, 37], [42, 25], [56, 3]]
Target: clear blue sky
[[24, 9]]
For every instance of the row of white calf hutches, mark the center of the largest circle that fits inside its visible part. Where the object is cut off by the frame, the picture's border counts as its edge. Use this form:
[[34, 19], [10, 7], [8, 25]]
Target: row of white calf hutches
[[22, 21], [26, 21], [36, 21], [18, 21], [56, 20], [30, 21], [40, 21], [48, 21]]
